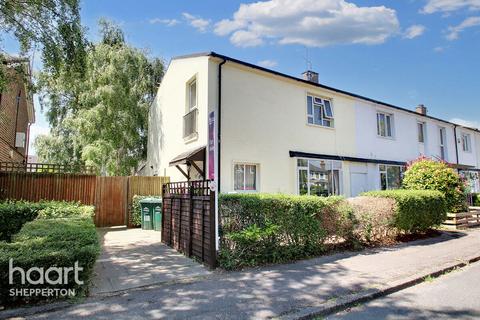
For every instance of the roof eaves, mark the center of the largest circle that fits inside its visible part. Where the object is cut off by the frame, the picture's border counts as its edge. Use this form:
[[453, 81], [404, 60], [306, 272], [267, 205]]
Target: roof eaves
[[283, 75]]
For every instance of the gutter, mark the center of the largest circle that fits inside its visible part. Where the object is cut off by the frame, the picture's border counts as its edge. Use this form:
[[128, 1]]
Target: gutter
[[219, 126], [456, 143]]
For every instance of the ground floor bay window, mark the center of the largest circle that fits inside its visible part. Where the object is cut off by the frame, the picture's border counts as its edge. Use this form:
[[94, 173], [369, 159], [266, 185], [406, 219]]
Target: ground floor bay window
[[319, 177], [390, 176]]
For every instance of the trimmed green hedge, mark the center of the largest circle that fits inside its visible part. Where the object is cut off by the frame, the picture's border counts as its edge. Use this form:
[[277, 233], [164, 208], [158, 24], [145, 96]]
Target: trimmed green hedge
[[265, 228], [62, 234], [14, 214], [417, 210]]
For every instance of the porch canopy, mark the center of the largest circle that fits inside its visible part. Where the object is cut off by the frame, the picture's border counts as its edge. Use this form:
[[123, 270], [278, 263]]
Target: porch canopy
[[189, 158]]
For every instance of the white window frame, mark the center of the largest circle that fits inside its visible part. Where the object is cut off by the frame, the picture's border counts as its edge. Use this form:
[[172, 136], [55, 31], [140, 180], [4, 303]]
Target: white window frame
[[402, 170], [321, 103], [466, 142], [392, 124], [442, 142], [189, 94], [257, 175], [424, 131], [340, 174]]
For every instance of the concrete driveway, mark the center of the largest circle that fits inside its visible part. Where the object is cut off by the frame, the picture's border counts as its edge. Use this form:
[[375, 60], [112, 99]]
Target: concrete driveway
[[133, 258]]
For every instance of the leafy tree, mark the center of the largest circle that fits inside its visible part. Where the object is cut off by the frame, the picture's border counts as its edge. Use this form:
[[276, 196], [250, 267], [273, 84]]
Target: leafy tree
[[104, 115], [428, 174], [52, 24]]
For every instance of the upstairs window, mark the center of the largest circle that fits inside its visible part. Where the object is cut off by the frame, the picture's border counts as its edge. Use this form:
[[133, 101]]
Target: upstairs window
[[190, 121], [385, 125], [421, 132], [466, 142], [319, 111], [192, 95]]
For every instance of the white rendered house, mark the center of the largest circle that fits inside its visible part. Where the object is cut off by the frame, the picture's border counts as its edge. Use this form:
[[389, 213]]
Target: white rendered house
[[252, 129]]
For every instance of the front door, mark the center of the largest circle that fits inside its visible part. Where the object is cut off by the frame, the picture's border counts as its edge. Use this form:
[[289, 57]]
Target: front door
[[358, 183]]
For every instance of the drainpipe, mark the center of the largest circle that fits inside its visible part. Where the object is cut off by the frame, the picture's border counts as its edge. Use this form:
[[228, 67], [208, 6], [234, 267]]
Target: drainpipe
[[219, 130], [456, 143]]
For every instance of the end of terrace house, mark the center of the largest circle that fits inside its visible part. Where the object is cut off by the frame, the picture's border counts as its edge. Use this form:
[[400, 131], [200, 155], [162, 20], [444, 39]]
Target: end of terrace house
[[252, 129]]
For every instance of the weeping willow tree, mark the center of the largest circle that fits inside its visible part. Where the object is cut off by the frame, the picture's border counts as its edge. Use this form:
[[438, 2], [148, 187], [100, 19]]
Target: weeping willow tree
[[51, 26], [101, 118]]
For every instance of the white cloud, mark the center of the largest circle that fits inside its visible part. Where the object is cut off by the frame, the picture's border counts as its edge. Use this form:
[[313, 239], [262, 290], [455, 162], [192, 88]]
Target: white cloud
[[414, 31], [439, 49], [309, 22], [433, 6], [454, 32], [197, 22], [268, 63], [167, 22], [244, 38], [466, 123], [35, 131]]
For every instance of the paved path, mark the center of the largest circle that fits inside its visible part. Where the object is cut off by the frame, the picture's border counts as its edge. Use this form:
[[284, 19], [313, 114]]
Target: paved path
[[133, 258], [281, 290], [453, 296]]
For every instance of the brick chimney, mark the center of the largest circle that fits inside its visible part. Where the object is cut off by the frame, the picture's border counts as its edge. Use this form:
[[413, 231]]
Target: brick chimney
[[310, 76], [421, 109]]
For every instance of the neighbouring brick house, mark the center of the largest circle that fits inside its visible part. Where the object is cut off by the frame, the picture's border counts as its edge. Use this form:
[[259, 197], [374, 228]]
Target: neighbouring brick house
[[16, 111]]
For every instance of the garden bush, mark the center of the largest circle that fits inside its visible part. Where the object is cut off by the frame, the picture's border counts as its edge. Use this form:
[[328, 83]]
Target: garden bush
[[374, 220], [49, 243], [264, 228], [427, 174], [416, 210], [135, 215], [45, 234], [476, 199], [63, 209], [14, 214]]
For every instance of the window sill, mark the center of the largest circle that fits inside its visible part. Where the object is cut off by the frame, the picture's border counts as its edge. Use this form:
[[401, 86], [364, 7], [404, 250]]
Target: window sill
[[244, 191], [191, 138], [319, 126], [386, 138]]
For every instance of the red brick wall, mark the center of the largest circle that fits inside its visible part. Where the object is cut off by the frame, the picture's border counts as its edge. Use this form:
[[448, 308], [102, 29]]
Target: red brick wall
[[8, 117]]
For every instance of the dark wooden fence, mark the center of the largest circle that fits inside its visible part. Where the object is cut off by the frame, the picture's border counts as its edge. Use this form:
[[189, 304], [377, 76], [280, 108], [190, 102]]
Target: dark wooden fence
[[111, 196], [188, 222], [47, 186]]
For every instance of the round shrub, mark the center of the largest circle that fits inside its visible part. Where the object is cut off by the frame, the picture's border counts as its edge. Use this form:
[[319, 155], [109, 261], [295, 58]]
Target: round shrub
[[428, 174]]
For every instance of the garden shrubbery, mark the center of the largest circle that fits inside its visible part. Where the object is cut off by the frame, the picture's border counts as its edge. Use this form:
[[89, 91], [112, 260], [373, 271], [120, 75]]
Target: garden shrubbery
[[428, 174], [265, 228], [56, 234], [374, 219], [415, 210], [260, 229]]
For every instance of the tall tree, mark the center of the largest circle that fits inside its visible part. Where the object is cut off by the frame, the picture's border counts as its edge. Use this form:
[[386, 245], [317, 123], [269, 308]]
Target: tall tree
[[52, 24], [104, 118]]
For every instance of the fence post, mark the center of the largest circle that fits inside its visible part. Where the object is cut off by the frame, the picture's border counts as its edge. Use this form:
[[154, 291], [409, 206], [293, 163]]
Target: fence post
[[213, 250], [190, 222]]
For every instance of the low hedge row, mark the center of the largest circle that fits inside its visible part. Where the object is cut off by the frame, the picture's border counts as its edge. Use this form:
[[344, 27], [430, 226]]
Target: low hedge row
[[416, 210], [14, 214], [61, 235], [260, 229], [264, 228]]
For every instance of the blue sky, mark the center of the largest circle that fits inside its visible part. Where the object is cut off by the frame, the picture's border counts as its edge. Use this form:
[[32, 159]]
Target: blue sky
[[402, 52]]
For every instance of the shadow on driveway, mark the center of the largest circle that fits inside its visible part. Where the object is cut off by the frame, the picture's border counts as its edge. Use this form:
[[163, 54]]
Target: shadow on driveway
[[134, 258]]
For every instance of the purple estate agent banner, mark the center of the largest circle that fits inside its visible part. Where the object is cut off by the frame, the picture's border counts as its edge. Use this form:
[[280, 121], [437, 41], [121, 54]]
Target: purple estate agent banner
[[211, 145]]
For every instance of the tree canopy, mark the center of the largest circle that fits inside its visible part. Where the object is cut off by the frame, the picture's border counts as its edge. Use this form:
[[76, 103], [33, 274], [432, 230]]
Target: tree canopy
[[53, 25], [100, 119]]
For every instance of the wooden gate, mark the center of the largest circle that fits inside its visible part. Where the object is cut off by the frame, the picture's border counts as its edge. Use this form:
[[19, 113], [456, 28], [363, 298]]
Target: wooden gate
[[110, 201], [188, 222]]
